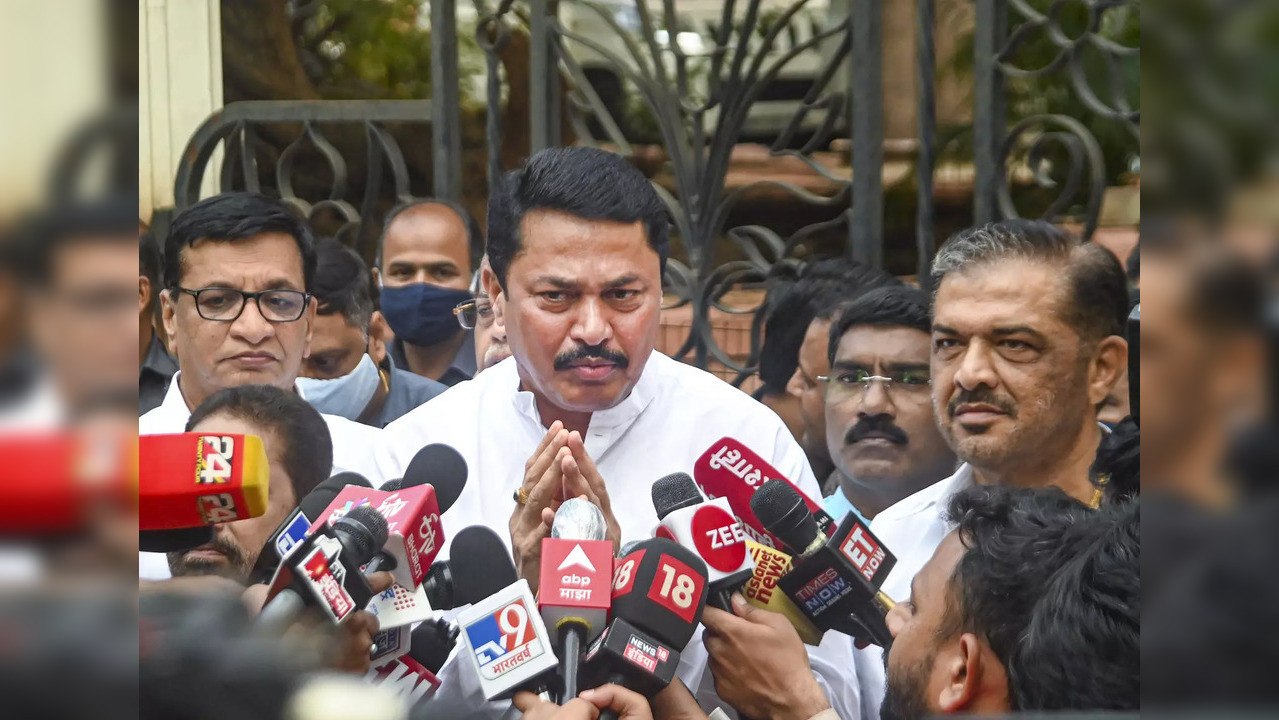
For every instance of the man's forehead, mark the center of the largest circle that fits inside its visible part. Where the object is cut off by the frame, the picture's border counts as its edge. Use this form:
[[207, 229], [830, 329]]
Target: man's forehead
[[426, 228], [893, 343], [595, 252], [941, 566], [270, 258], [334, 331], [1002, 294]]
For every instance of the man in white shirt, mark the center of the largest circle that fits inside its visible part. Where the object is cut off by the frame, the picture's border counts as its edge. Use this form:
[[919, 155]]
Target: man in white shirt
[[238, 269], [577, 243]]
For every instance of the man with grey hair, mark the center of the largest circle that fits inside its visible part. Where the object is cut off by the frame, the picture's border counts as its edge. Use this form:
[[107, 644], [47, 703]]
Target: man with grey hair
[[1027, 342]]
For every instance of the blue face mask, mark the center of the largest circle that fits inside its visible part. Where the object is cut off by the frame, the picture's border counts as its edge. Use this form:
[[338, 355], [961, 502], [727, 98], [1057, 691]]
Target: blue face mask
[[422, 314], [345, 396]]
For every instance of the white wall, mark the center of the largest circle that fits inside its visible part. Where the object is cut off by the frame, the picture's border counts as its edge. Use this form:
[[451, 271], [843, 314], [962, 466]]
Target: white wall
[[180, 84]]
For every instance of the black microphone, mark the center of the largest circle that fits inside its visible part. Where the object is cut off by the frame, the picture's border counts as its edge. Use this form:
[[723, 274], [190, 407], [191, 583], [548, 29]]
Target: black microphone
[[293, 530], [325, 570], [834, 582], [439, 466], [659, 592], [480, 566]]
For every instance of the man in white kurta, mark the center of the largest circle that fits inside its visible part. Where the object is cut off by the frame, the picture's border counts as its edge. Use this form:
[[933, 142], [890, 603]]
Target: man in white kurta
[[585, 406]]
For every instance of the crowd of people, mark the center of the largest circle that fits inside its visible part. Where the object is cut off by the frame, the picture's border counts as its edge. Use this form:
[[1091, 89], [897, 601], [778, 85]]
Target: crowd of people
[[983, 432]]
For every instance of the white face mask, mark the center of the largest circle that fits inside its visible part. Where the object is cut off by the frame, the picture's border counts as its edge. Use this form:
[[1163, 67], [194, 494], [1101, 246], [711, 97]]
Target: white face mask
[[345, 396]]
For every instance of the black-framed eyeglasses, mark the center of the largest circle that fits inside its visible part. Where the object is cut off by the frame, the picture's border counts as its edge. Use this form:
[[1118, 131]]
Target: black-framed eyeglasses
[[846, 384], [474, 312], [226, 304]]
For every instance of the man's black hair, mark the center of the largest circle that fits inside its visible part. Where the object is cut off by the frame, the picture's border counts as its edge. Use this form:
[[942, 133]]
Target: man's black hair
[[820, 289], [1054, 588], [894, 306], [307, 447], [343, 283], [586, 183], [113, 220], [1097, 289], [1132, 268], [474, 238], [235, 216]]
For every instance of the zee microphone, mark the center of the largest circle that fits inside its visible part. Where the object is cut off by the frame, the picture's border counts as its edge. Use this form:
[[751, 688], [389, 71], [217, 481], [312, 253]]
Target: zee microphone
[[728, 469], [575, 583], [186, 480], [708, 528], [325, 570], [659, 592], [834, 582]]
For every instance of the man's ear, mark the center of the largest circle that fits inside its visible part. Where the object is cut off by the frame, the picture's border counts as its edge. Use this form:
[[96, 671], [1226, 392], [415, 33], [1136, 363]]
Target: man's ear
[[1109, 363], [961, 664], [492, 288], [144, 293], [379, 335], [169, 318]]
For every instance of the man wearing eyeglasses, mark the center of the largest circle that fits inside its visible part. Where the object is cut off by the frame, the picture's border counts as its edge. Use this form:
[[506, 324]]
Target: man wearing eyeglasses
[[238, 269], [477, 316], [879, 411]]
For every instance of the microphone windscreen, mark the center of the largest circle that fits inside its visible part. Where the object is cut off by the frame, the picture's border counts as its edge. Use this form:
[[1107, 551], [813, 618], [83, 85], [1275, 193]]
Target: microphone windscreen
[[431, 643], [675, 492], [578, 519], [167, 541], [367, 529], [481, 565], [440, 466], [392, 485], [321, 495], [782, 512]]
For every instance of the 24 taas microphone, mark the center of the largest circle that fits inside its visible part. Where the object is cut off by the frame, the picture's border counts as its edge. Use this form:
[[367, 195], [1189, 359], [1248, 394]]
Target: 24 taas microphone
[[507, 643], [728, 469], [659, 592], [575, 584], [293, 530], [835, 581], [708, 528], [324, 571], [190, 480]]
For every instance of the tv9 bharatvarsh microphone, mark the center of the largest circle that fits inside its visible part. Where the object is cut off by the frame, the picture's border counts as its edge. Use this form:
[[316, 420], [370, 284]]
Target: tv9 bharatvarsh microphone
[[834, 580], [293, 530], [575, 584], [708, 528], [187, 480], [659, 592], [728, 469], [325, 570], [507, 643]]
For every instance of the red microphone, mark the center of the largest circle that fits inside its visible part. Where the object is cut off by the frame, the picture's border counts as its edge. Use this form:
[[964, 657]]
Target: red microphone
[[192, 479], [708, 528], [576, 583], [730, 470]]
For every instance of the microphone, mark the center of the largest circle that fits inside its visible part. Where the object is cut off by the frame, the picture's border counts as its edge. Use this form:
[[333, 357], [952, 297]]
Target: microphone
[[414, 533], [293, 530], [439, 466], [507, 642], [762, 591], [659, 592], [324, 570], [191, 479], [575, 583], [834, 582], [483, 567], [728, 469], [708, 528]]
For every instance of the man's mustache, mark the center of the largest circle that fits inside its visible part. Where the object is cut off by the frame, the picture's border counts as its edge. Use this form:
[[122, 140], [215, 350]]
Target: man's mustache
[[876, 425], [983, 395], [598, 353]]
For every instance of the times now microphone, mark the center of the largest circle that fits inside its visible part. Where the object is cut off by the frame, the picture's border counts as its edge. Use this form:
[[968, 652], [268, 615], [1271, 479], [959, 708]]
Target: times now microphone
[[708, 528], [762, 590], [324, 571], [507, 643], [659, 592], [575, 584], [730, 470], [191, 479], [835, 581]]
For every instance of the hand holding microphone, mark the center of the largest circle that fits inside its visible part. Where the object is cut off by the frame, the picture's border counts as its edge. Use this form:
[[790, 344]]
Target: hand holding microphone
[[588, 705]]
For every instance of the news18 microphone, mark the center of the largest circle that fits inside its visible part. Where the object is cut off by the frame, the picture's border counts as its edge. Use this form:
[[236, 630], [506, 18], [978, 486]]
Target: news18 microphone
[[835, 581], [187, 480], [659, 592], [708, 528], [325, 571], [730, 470], [507, 643], [575, 584]]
